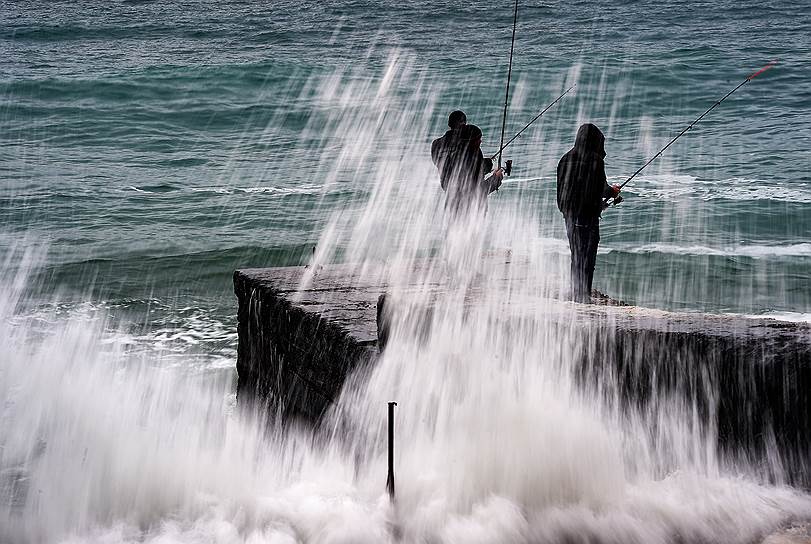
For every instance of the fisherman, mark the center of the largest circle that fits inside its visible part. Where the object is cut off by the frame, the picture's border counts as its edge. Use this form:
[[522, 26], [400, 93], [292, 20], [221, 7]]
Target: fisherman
[[581, 188], [464, 174], [442, 146]]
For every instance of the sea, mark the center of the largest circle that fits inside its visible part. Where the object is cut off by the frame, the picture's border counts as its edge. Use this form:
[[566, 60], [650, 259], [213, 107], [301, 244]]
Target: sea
[[150, 148]]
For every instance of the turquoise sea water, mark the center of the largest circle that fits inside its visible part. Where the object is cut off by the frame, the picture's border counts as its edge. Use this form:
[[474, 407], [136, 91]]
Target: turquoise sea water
[[155, 147], [149, 148]]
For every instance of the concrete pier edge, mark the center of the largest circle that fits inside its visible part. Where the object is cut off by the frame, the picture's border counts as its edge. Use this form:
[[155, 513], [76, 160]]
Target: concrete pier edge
[[297, 348]]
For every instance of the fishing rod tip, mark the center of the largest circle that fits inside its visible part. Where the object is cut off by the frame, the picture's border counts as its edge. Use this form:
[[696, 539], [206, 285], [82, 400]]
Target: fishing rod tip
[[771, 64]]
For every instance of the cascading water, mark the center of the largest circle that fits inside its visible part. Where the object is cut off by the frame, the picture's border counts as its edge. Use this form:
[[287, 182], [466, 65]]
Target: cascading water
[[498, 441]]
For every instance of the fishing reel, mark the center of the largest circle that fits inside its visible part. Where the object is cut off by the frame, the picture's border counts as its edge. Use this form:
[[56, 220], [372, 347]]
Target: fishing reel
[[508, 167], [611, 202]]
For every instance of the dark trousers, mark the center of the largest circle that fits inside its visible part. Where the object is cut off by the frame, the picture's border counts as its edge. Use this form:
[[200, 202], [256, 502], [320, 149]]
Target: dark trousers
[[583, 240]]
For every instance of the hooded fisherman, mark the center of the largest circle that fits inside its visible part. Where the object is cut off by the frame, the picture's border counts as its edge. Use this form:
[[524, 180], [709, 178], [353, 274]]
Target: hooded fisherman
[[582, 187], [442, 147], [464, 175]]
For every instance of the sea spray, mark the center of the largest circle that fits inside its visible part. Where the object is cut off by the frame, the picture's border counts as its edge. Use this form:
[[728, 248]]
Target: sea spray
[[497, 438]]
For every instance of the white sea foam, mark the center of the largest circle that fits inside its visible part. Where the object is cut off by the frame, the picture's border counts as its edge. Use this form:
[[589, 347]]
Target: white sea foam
[[307, 189], [792, 317], [182, 335], [678, 187], [103, 444], [754, 251]]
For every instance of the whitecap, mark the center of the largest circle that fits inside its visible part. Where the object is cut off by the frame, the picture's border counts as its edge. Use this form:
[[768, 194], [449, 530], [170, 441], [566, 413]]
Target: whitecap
[[677, 187], [752, 251], [791, 317], [309, 189]]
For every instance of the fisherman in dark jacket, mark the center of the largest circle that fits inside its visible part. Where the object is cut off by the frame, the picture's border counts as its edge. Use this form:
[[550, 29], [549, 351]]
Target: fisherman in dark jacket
[[442, 147], [465, 175], [582, 187]]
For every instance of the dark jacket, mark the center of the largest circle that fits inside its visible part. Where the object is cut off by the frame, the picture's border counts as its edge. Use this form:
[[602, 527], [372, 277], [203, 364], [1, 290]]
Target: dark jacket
[[445, 155], [441, 149], [465, 184], [581, 177]]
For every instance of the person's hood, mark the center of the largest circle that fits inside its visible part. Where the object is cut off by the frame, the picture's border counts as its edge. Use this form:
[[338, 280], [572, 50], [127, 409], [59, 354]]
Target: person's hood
[[590, 139], [469, 133]]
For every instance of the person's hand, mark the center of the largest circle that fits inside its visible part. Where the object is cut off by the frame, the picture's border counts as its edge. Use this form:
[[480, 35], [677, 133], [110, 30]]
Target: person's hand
[[616, 189], [498, 174]]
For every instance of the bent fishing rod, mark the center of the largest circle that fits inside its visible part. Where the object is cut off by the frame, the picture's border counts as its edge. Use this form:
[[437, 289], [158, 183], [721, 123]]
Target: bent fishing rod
[[614, 201], [508, 167], [511, 140]]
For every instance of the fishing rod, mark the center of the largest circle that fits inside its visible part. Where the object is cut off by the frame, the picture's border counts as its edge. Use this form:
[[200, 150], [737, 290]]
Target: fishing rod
[[508, 167], [511, 140], [683, 132]]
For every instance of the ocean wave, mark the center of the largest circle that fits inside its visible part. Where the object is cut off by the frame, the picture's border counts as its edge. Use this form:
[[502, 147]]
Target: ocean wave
[[752, 251], [189, 333], [559, 246], [791, 317], [224, 190], [764, 192], [153, 189], [677, 187], [194, 336], [299, 190]]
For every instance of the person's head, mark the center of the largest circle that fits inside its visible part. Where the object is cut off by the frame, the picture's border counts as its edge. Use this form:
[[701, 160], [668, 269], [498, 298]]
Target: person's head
[[590, 139], [472, 135], [457, 119]]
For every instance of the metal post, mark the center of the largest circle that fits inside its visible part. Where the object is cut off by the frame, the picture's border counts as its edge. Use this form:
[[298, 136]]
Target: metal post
[[390, 479]]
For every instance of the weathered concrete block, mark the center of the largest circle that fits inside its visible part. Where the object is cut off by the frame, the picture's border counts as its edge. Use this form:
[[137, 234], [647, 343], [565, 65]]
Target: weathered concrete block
[[293, 357], [751, 378]]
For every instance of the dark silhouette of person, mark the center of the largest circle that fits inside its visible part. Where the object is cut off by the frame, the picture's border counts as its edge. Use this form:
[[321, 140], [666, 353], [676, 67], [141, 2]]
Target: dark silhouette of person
[[581, 188], [465, 170], [442, 147]]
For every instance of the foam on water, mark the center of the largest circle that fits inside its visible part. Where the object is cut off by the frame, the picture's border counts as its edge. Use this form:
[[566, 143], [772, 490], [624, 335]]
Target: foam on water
[[672, 188], [128, 449], [307, 189], [791, 317], [753, 251]]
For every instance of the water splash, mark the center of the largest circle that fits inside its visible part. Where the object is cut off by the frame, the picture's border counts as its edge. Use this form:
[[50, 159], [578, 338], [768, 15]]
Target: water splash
[[498, 440]]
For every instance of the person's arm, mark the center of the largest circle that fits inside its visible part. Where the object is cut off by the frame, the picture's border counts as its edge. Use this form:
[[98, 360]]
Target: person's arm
[[609, 191], [438, 156], [494, 181], [561, 183], [436, 146]]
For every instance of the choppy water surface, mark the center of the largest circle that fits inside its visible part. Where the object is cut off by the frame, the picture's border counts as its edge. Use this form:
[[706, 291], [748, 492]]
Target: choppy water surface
[[148, 149]]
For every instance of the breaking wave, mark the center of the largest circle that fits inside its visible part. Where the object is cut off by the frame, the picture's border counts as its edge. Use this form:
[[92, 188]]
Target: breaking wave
[[751, 251], [678, 187]]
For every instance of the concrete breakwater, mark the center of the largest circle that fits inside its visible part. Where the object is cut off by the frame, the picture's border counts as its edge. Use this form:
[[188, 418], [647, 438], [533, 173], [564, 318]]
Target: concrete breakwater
[[749, 378]]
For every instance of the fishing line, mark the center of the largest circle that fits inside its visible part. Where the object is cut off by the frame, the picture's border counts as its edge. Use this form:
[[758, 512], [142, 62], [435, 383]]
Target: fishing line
[[511, 140], [507, 92]]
